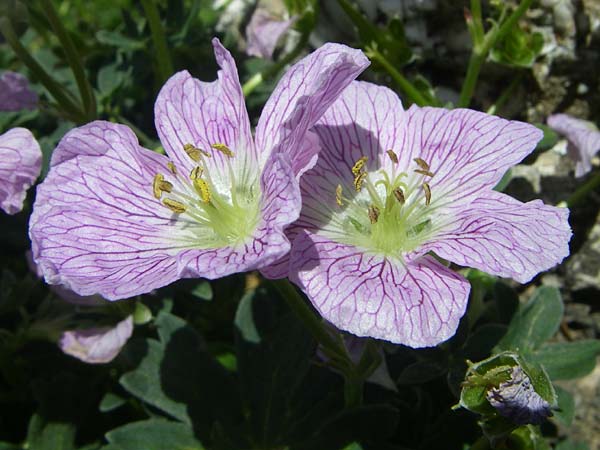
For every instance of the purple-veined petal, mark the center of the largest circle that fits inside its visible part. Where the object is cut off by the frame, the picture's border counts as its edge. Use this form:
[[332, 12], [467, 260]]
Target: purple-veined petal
[[301, 97], [418, 304], [97, 345], [505, 237], [190, 111], [20, 165], [583, 139], [96, 227], [281, 204], [15, 93], [469, 151], [263, 33]]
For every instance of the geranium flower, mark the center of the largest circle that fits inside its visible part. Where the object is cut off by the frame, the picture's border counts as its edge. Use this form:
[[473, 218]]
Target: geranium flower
[[264, 32], [20, 165], [15, 93], [583, 140], [390, 188], [116, 219]]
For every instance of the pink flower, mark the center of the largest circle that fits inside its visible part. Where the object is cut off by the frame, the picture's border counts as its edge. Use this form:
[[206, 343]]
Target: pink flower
[[264, 32], [15, 93]]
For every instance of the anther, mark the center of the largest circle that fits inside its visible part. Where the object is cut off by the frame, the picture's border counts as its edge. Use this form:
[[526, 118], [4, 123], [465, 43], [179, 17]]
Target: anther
[[338, 195], [373, 213], [427, 190], [174, 205], [392, 156], [172, 168], [399, 196], [421, 163], [194, 152], [359, 180], [202, 189], [223, 149], [165, 186], [427, 173], [358, 166], [196, 173], [156, 188]]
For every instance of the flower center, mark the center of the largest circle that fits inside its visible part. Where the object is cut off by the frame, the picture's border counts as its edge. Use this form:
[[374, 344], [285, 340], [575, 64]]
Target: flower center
[[388, 213], [226, 215]]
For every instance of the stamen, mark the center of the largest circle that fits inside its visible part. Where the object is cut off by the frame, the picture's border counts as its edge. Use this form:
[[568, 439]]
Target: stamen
[[358, 166], [392, 156], [373, 214], [172, 168], [165, 186], [427, 190], [223, 149], [421, 163], [427, 173], [359, 180], [196, 173], [194, 152], [174, 205], [338, 195], [399, 196], [202, 189], [156, 190]]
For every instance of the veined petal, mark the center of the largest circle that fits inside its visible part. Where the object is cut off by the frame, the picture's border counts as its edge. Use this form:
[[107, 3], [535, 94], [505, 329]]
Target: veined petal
[[418, 304], [301, 97], [97, 345], [20, 165], [15, 93], [263, 33], [583, 138], [280, 206], [190, 111], [505, 237], [96, 227]]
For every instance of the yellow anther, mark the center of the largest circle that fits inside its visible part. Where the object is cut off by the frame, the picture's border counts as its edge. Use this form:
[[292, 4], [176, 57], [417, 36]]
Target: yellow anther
[[194, 152], [392, 156], [196, 173], [223, 149], [202, 189], [174, 205], [156, 188], [338, 195], [427, 190], [421, 163], [427, 173], [358, 166], [359, 180], [373, 213], [165, 186], [172, 168], [399, 196]]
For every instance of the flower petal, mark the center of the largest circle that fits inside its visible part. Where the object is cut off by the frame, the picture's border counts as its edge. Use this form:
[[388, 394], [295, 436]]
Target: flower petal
[[467, 150], [583, 138], [418, 305], [97, 345], [190, 111], [263, 33], [96, 227], [504, 237], [301, 97], [15, 93], [280, 207], [20, 165]]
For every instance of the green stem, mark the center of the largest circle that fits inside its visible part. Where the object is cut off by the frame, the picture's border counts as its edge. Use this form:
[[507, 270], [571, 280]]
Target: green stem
[[73, 58], [583, 191], [406, 86], [164, 65], [69, 107], [477, 19], [274, 69], [480, 52], [353, 391]]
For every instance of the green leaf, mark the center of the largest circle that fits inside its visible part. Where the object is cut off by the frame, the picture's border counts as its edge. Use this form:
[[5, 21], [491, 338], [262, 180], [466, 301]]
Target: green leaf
[[518, 48], [504, 181], [534, 322], [110, 78], [111, 401], [116, 39], [566, 406], [570, 445], [203, 291], [567, 360], [153, 434], [9, 446], [549, 140], [42, 435]]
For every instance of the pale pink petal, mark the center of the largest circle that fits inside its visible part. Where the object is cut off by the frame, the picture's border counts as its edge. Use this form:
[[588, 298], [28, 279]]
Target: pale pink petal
[[301, 97], [583, 138], [20, 165], [97, 345], [15, 93], [418, 304], [264, 32], [504, 237], [96, 227]]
